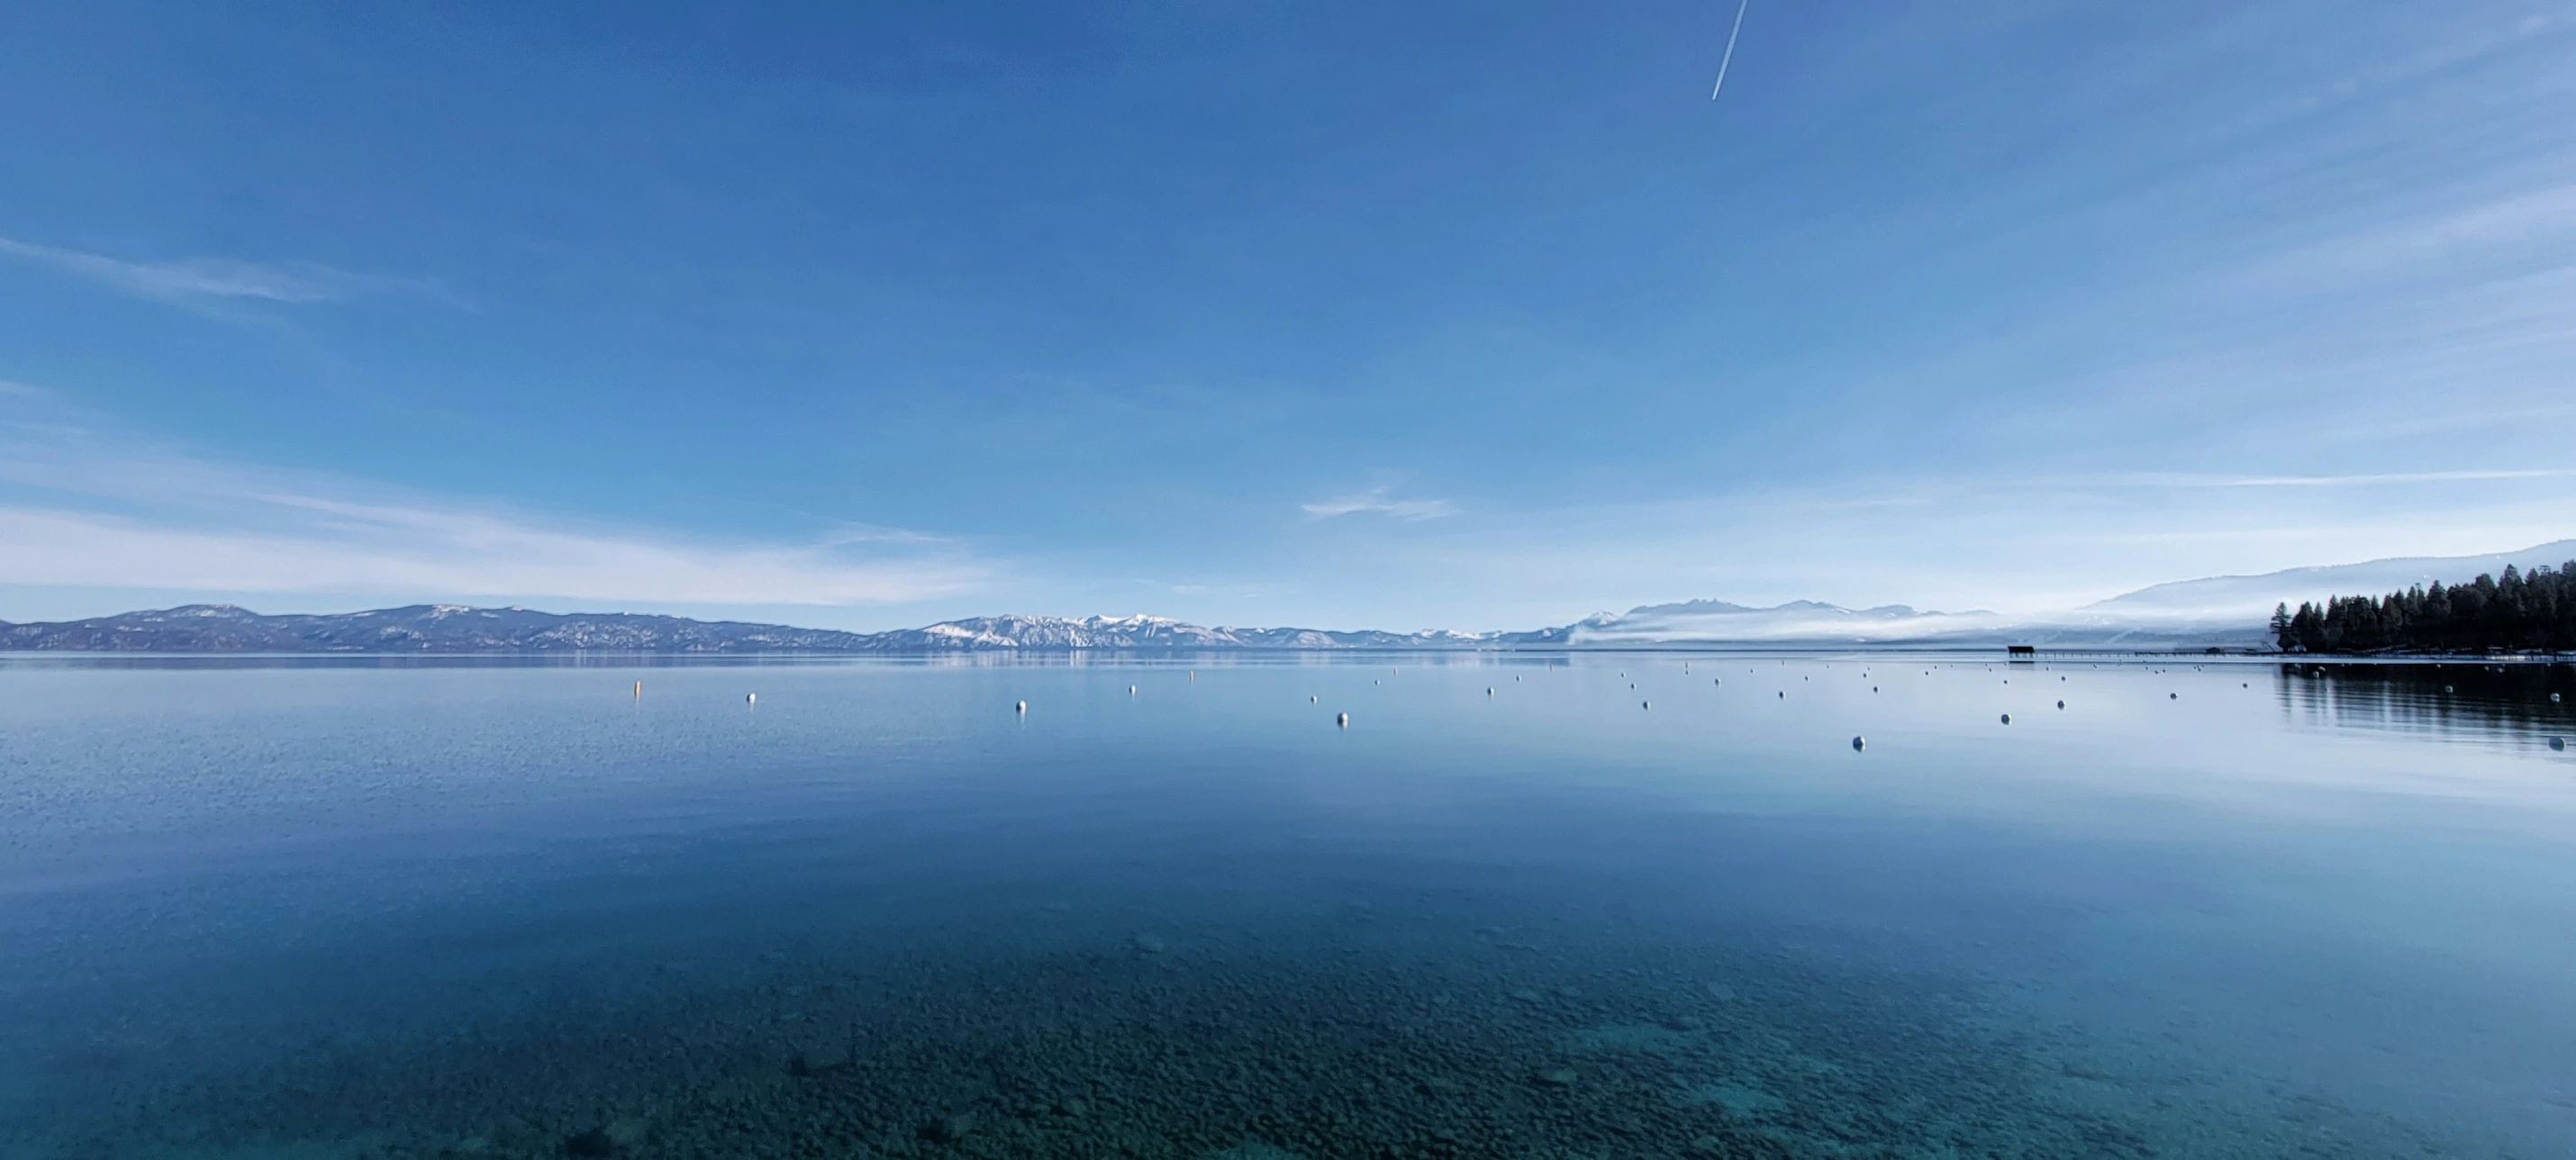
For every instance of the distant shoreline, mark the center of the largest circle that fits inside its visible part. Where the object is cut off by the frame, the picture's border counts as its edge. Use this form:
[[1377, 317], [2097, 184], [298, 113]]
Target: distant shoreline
[[1982, 652], [461, 630]]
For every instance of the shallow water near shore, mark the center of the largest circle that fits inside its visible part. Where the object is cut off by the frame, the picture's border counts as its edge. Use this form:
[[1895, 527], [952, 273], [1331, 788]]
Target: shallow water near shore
[[1577, 906]]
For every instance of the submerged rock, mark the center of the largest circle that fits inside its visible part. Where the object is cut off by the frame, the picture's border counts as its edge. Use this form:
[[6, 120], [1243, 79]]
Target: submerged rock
[[950, 1128], [1079, 1053], [1742, 1100], [1254, 1150], [628, 1132]]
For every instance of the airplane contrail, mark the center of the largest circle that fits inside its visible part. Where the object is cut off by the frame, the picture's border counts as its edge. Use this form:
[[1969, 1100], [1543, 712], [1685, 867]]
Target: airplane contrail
[[1729, 58]]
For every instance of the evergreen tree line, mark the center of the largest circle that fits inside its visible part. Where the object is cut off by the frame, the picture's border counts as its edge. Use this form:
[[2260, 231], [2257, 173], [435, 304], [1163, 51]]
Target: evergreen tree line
[[2519, 612]]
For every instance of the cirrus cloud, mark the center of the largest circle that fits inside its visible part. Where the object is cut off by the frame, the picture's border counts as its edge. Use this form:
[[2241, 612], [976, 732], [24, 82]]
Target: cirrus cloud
[[204, 281], [79, 509], [1376, 500]]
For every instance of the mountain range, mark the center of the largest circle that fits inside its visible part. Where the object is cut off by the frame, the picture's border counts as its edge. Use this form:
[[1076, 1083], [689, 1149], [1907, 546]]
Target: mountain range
[[2222, 611], [450, 628]]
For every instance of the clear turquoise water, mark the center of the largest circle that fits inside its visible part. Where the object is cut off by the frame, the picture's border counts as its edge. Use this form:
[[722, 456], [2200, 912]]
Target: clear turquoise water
[[345, 909]]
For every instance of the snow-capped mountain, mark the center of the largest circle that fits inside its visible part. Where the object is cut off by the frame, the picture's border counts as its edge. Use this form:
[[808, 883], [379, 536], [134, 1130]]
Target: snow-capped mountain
[[448, 628], [1148, 633], [431, 628]]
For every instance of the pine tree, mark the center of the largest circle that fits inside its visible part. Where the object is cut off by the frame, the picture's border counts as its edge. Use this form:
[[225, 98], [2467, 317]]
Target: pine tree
[[2521, 611]]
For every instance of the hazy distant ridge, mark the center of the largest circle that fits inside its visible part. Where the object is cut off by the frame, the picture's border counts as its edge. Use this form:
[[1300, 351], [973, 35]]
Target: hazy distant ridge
[[2238, 596]]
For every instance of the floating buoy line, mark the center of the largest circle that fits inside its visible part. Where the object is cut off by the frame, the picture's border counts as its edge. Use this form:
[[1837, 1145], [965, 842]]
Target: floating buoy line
[[1859, 742]]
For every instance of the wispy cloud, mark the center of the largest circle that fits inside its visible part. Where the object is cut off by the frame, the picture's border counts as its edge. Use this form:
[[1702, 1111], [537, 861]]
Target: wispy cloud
[[1376, 500], [2376, 479], [78, 508], [212, 280], [428, 553], [2491, 234]]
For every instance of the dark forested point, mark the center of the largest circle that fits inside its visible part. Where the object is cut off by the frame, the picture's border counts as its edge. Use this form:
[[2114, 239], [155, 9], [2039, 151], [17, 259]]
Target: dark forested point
[[2515, 612]]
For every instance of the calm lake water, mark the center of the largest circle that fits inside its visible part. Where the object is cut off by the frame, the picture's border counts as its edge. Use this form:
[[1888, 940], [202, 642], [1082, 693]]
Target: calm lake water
[[1598, 906]]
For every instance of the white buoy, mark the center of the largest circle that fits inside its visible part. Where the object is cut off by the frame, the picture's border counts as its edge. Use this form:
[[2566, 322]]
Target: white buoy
[[1310, 700], [1859, 743], [1645, 704], [1489, 690], [639, 690], [751, 698], [1023, 708], [1131, 690], [1342, 719]]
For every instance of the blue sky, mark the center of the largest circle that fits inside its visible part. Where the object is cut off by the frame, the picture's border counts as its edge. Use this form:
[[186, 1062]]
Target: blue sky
[[1472, 315]]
